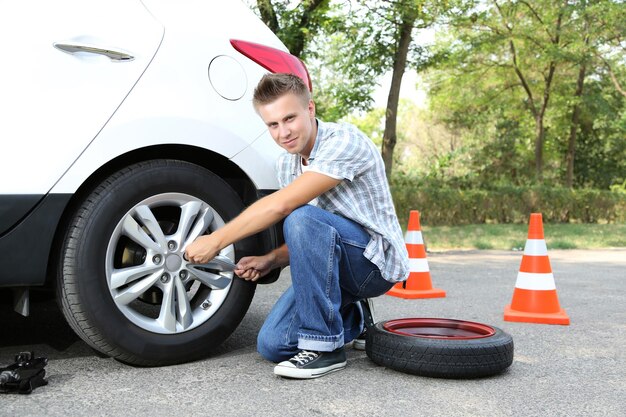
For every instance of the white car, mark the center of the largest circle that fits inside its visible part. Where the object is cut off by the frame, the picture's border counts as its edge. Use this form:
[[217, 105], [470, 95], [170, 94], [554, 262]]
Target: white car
[[127, 130]]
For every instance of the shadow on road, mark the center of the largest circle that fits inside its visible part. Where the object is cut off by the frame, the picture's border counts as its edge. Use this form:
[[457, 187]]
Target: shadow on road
[[46, 332], [44, 326]]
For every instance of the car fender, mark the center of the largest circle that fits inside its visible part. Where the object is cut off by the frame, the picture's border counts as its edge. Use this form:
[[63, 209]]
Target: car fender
[[119, 140]]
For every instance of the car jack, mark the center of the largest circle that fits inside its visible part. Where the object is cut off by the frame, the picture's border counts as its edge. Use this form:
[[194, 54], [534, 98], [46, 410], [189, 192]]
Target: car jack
[[23, 376]]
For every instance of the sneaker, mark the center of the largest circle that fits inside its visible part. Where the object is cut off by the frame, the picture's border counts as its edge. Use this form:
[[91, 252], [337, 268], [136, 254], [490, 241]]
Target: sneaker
[[368, 318], [308, 364]]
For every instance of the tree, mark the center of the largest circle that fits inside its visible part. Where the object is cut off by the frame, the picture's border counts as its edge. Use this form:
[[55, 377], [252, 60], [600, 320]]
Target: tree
[[599, 26], [541, 26], [582, 60], [394, 22], [525, 62], [334, 39], [611, 17], [345, 62], [408, 15], [296, 26]]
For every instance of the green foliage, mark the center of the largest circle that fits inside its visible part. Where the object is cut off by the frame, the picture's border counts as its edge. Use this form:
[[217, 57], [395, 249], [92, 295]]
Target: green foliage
[[349, 57], [499, 63], [442, 205], [371, 123], [619, 188], [344, 76], [342, 55], [601, 153], [295, 24]]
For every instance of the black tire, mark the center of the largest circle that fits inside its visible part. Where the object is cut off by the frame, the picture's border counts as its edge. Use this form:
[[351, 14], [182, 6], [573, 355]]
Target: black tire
[[93, 250], [433, 353]]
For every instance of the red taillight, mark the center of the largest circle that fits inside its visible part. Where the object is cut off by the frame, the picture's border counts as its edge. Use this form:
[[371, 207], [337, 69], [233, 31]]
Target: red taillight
[[273, 59]]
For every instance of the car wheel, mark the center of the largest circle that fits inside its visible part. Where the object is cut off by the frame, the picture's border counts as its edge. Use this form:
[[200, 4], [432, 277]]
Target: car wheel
[[123, 284], [441, 348]]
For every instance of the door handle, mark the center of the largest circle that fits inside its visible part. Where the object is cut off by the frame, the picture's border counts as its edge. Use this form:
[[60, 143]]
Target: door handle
[[72, 48]]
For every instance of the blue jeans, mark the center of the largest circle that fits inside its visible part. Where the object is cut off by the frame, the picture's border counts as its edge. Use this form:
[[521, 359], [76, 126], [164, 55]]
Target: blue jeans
[[329, 274]]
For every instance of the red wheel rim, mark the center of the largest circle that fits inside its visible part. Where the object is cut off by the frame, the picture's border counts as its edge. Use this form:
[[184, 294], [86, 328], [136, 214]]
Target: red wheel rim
[[439, 328]]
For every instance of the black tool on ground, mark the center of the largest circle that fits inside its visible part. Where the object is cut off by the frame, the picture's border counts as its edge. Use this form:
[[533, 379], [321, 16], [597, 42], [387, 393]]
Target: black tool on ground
[[23, 376], [368, 314]]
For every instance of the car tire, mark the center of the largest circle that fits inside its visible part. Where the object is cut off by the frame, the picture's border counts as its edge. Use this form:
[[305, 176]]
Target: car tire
[[440, 348], [162, 315]]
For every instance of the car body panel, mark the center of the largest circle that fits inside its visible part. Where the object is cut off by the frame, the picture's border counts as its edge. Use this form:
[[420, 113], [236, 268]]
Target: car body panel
[[64, 124], [14, 207], [72, 95], [176, 103], [26, 247]]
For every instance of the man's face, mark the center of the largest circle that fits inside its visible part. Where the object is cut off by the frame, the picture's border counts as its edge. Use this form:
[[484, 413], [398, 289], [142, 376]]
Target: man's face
[[291, 123]]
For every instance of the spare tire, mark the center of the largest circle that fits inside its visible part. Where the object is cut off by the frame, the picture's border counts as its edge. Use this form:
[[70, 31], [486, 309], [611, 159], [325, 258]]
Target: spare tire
[[441, 348]]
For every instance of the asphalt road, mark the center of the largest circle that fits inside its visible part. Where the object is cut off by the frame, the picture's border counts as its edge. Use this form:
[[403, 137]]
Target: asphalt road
[[575, 370]]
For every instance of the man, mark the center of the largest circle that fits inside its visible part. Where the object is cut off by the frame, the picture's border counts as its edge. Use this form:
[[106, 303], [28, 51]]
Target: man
[[342, 238]]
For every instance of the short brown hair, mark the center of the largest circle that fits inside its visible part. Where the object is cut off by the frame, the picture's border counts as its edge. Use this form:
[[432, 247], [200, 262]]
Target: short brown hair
[[273, 86]]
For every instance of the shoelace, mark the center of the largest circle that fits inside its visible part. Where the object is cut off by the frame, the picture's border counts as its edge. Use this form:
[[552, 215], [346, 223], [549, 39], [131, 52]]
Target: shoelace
[[305, 356]]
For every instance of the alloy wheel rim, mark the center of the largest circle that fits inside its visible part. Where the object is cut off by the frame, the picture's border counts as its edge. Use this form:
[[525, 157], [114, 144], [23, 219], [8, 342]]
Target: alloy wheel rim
[[436, 328], [149, 280]]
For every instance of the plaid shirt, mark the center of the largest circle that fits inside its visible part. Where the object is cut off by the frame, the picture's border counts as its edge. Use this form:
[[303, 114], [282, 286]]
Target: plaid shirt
[[342, 151]]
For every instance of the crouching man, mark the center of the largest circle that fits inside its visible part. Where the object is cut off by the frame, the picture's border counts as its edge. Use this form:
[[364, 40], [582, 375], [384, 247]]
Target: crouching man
[[342, 238]]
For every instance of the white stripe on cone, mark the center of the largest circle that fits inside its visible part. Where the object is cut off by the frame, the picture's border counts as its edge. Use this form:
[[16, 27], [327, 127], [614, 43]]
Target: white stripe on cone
[[535, 281], [536, 247], [413, 237], [418, 265]]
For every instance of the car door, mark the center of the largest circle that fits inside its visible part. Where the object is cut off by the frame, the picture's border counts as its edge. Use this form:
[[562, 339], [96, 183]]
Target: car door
[[67, 66]]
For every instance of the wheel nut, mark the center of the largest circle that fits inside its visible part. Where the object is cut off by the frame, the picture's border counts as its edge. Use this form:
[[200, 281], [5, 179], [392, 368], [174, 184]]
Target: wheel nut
[[165, 277], [156, 259], [171, 245], [205, 305], [183, 274]]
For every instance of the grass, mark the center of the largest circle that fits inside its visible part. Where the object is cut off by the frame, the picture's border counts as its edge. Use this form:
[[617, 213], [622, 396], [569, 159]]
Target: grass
[[513, 236]]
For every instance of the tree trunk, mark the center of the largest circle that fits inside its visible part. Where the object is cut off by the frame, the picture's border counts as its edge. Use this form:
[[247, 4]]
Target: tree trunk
[[539, 123], [540, 134], [268, 14], [616, 83], [299, 41], [391, 115], [571, 143], [538, 113]]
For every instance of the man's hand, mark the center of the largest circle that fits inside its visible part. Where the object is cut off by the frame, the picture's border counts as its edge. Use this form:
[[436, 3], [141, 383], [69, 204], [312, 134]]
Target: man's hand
[[202, 250], [251, 268], [259, 216]]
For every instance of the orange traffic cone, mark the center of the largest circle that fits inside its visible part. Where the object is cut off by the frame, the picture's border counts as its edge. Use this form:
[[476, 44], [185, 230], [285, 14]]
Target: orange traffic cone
[[419, 284], [534, 298]]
